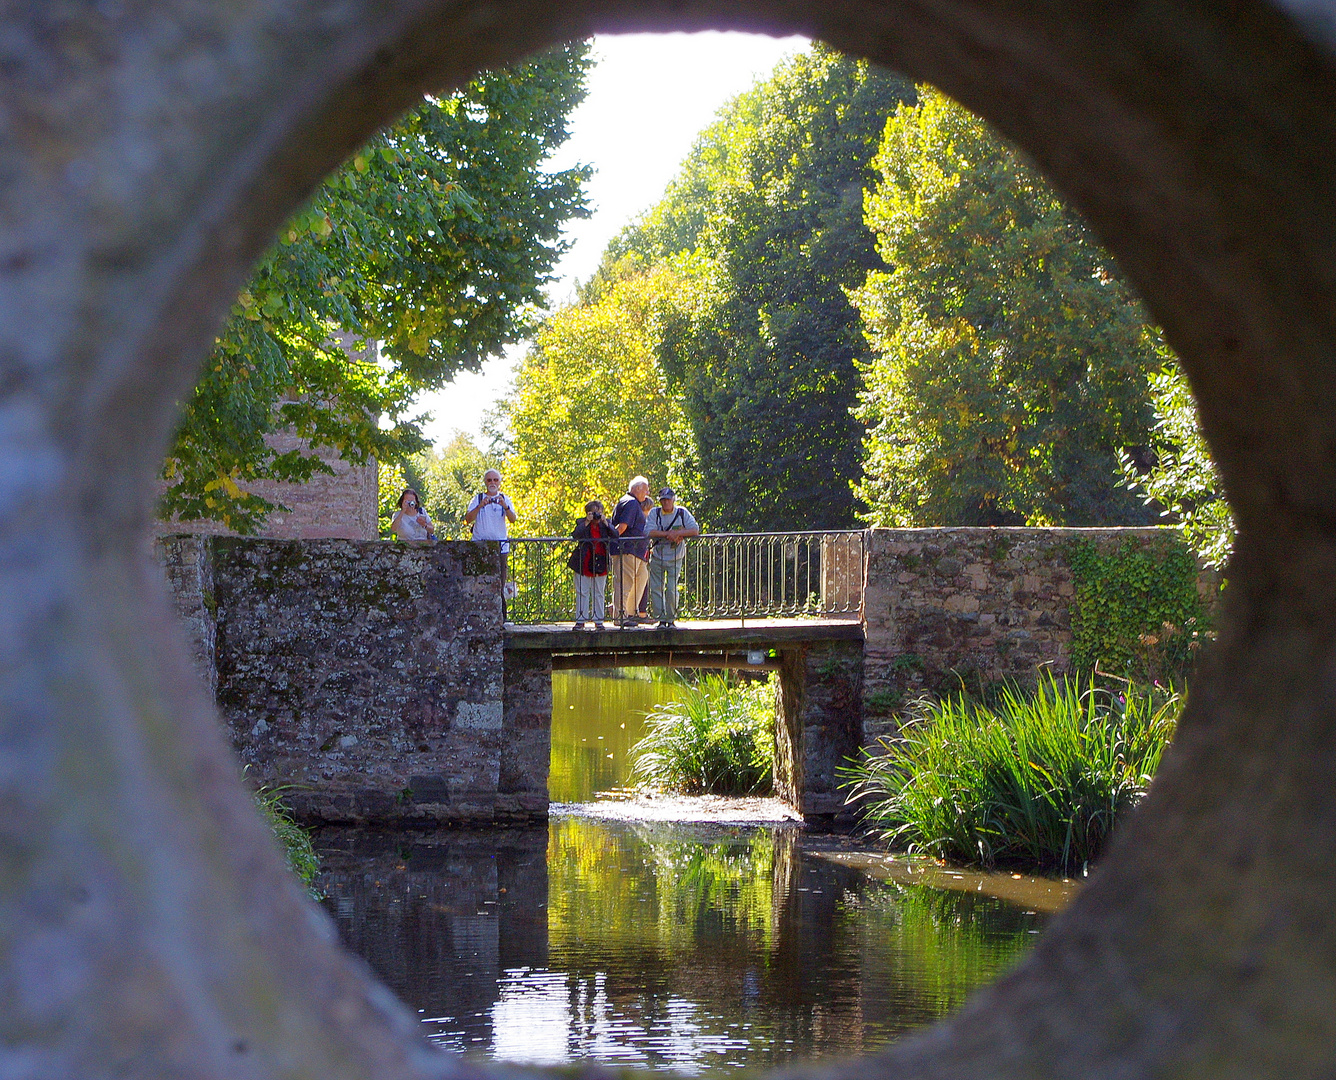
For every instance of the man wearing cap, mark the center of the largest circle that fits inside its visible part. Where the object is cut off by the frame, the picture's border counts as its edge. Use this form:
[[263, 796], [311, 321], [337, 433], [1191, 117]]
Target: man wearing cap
[[668, 525]]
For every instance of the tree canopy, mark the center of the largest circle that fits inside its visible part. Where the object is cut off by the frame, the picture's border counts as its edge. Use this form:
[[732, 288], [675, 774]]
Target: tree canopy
[[1011, 360], [1182, 477], [422, 255], [769, 208], [592, 408]]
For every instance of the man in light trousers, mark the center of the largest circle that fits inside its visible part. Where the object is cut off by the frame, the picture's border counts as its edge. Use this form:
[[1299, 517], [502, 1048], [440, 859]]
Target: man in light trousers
[[669, 526], [631, 551]]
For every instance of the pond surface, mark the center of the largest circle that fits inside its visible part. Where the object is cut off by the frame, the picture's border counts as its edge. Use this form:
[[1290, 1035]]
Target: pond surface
[[662, 946], [659, 945]]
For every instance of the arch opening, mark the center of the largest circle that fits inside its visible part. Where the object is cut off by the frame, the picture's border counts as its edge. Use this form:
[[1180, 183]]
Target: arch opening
[[1194, 141]]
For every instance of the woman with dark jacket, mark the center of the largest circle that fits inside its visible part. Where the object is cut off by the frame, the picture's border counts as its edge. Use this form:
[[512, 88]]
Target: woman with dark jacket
[[589, 560]]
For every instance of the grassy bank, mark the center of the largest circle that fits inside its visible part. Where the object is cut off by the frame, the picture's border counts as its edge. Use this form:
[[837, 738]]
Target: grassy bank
[[1034, 780], [717, 739]]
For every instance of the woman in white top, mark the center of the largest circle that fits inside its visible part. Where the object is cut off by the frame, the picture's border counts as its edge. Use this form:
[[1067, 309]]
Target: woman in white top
[[411, 522]]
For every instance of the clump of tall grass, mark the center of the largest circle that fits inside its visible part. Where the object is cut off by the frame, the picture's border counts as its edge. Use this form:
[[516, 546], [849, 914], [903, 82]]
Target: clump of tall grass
[[296, 841], [716, 739], [1031, 780]]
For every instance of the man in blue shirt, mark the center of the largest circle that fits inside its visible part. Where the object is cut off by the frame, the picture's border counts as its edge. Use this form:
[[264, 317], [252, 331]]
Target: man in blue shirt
[[628, 520], [668, 525]]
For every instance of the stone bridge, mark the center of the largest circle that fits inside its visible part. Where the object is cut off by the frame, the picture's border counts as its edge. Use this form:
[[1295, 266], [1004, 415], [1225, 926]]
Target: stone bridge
[[378, 679]]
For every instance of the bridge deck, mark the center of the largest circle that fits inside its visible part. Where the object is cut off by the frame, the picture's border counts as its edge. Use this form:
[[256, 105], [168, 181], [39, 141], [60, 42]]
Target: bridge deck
[[712, 633]]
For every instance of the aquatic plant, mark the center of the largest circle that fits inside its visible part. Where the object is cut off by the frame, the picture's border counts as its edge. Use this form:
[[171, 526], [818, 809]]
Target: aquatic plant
[[717, 738], [1032, 780]]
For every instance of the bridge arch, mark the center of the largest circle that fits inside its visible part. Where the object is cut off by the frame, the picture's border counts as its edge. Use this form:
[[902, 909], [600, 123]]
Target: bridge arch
[[150, 155]]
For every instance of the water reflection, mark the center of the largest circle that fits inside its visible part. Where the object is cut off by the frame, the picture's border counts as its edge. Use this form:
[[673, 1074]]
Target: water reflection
[[665, 946], [596, 719]]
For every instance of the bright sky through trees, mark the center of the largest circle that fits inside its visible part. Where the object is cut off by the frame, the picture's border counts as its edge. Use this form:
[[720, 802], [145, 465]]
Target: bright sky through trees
[[650, 95]]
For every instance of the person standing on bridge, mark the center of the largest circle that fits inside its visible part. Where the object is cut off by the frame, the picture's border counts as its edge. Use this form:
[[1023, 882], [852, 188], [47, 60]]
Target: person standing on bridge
[[632, 550], [411, 522], [669, 526], [489, 513], [589, 560]]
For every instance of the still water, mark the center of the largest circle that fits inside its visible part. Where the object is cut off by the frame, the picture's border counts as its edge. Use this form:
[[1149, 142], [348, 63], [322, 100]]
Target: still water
[[596, 719], [683, 947]]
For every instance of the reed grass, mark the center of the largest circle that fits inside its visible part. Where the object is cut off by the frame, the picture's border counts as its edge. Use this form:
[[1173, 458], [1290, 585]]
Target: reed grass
[[1031, 780], [717, 738], [295, 840]]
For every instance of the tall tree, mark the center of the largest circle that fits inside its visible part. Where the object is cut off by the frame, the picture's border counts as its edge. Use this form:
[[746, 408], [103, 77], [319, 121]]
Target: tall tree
[[591, 407], [770, 203], [1011, 359], [425, 253]]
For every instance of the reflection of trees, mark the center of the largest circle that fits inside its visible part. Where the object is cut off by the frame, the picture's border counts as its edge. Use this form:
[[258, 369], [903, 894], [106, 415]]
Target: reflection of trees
[[613, 708], [661, 945], [799, 954], [934, 945]]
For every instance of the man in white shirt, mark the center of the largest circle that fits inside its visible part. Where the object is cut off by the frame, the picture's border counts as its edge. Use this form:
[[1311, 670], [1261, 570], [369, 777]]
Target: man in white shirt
[[489, 513], [668, 525]]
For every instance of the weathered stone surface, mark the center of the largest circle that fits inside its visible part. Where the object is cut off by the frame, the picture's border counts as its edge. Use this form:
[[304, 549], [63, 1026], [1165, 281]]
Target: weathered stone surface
[[818, 724], [343, 504], [527, 699], [367, 678], [188, 563]]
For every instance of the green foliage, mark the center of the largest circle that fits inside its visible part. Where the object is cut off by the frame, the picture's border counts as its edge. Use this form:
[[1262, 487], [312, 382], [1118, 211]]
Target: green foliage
[[296, 841], [390, 483], [1182, 478], [1136, 612], [767, 212], [717, 738], [1036, 782], [591, 407], [1011, 359], [434, 240]]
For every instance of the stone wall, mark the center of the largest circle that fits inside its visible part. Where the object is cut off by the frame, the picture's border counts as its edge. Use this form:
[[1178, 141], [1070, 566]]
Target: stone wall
[[366, 675], [527, 715], [982, 605], [188, 563]]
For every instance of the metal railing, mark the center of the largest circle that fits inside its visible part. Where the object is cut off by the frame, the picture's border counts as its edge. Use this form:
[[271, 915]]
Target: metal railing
[[724, 576]]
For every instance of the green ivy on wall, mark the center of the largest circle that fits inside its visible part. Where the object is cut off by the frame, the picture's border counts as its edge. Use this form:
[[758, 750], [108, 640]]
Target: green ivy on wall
[[1136, 612]]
